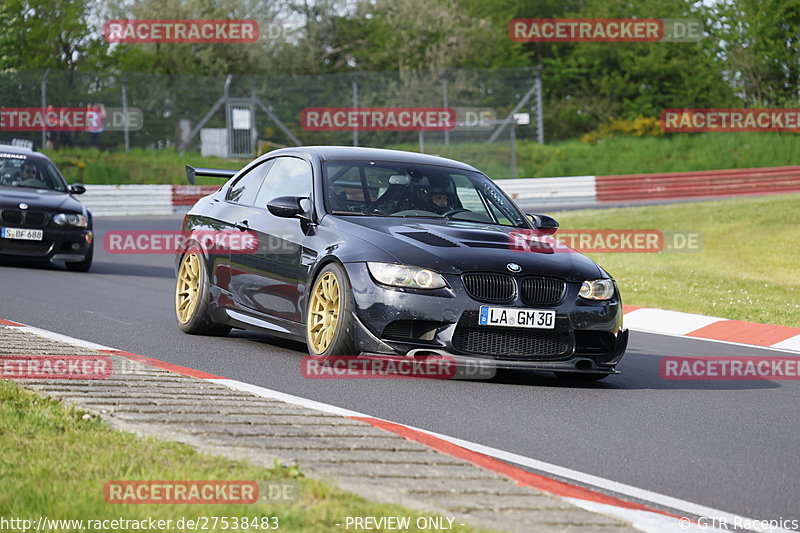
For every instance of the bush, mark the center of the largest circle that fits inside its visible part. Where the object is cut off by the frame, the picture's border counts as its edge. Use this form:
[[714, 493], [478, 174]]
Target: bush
[[641, 126]]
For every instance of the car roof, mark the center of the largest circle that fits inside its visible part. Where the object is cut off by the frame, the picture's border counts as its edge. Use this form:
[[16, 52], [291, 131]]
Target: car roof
[[17, 150], [333, 153]]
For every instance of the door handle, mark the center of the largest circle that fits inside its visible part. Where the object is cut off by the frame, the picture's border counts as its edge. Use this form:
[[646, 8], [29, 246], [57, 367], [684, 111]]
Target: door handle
[[242, 226]]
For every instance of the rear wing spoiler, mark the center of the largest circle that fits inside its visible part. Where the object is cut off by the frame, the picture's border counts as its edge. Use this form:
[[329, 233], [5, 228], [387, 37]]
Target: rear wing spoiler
[[191, 172]]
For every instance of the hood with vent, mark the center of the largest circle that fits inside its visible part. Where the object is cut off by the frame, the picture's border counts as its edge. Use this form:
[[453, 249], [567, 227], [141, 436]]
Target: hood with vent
[[455, 247]]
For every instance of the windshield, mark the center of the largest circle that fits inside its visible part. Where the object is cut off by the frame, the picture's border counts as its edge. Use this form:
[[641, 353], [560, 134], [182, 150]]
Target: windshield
[[379, 188], [17, 170]]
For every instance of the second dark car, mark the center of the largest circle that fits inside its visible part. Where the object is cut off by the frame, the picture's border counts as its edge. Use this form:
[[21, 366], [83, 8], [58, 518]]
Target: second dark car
[[39, 217], [367, 251]]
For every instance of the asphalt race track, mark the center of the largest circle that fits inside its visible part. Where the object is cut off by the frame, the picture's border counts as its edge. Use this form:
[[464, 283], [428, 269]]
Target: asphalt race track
[[729, 445]]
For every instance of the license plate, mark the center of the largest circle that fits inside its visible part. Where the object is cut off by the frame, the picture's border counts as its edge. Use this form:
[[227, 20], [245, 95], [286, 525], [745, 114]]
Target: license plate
[[515, 317], [22, 233]]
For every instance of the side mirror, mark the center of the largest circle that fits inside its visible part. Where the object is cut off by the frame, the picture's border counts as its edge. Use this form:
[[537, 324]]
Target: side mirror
[[545, 224], [77, 188], [286, 206]]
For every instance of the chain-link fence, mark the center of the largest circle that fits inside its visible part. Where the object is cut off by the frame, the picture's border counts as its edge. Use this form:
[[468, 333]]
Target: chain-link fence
[[239, 115]]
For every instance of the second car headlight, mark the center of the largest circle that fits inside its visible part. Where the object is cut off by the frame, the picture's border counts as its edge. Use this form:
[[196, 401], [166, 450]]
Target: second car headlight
[[70, 219], [406, 276], [597, 289]]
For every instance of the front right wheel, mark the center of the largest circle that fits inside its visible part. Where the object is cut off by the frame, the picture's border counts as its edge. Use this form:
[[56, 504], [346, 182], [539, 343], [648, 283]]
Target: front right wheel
[[329, 322]]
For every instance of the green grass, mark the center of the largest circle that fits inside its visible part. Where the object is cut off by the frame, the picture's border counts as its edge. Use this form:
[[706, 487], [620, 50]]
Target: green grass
[[89, 165], [747, 268], [626, 155], [618, 155], [54, 462]]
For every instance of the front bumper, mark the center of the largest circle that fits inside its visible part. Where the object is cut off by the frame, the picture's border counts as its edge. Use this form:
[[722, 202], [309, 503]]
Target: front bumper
[[588, 336], [56, 245]]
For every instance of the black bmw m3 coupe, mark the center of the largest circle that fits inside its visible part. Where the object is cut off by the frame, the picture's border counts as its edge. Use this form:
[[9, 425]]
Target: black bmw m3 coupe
[[360, 251]]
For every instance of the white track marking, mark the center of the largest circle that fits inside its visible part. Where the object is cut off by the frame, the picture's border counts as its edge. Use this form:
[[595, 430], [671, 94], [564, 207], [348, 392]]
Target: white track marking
[[644, 520], [668, 322], [680, 324], [791, 344], [793, 348], [288, 398]]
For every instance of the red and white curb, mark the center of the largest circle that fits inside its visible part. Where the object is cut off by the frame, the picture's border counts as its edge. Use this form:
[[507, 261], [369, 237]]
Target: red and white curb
[[710, 328], [588, 492]]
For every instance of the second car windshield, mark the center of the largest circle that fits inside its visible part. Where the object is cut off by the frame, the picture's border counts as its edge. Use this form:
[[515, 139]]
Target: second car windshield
[[34, 173], [380, 188]]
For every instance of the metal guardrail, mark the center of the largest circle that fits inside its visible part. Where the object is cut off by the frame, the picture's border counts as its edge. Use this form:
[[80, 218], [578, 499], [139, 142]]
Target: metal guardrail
[[128, 200], [549, 191]]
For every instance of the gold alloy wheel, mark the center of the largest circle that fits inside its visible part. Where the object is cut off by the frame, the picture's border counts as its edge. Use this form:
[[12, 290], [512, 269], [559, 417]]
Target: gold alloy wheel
[[323, 313], [187, 290]]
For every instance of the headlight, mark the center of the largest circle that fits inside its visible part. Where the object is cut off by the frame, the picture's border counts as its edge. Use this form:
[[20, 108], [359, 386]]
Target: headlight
[[406, 276], [70, 219], [598, 289]]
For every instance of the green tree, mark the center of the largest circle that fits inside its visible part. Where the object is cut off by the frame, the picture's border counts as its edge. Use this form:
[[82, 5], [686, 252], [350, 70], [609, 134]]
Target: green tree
[[587, 83], [760, 42], [194, 58], [54, 34]]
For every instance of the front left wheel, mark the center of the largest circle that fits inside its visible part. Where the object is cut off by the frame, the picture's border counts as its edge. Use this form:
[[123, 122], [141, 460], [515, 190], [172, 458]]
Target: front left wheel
[[330, 325], [192, 298]]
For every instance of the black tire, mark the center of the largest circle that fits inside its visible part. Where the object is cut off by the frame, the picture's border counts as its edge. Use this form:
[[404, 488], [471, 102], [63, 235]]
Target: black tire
[[82, 266], [199, 323], [585, 377], [343, 342]]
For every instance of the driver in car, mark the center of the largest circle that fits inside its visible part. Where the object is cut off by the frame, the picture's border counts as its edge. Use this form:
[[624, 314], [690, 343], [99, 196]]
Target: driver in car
[[28, 172], [438, 195]]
